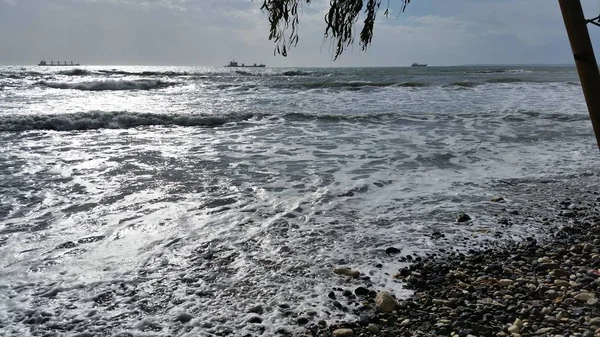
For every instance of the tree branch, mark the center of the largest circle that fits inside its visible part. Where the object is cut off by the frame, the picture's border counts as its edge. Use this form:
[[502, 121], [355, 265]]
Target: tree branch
[[340, 21]]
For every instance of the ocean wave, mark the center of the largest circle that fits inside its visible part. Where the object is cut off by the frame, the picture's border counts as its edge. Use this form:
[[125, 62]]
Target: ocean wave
[[168, 73], [462, 84], [519, 116], [498, 71], [296, 73], [350, 85], [507, 80], [104, 85], [76, 72], [109, 120], [20, 75], [245, 73], [299, 116]]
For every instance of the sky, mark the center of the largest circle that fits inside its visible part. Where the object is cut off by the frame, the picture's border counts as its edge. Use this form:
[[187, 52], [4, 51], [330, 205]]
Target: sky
[[212, 32]]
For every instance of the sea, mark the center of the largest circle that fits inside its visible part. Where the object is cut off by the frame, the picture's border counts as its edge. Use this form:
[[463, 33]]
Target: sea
[[212, 201]]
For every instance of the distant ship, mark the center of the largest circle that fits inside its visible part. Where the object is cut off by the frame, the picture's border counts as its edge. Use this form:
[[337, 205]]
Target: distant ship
[[57, 64], [234, 64], [419, 65]]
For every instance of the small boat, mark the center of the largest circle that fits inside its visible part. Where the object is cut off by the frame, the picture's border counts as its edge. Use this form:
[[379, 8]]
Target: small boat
[[57, 64], [419, 65], [234, 64]]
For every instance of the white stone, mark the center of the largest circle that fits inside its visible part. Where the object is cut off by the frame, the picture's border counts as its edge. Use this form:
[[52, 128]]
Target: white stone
[[347, 271], [514, 329], [505, 282], [518, 323], [343, 333]]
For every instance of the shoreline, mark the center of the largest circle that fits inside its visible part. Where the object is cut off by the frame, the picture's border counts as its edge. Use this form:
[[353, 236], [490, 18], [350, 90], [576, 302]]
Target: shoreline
[[541, 286]]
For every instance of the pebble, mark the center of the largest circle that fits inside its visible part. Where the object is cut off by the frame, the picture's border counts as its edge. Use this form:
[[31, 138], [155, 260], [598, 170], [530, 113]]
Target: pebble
[[301, 320], [560, 273], [514, 329], [373, 328], [343, 333], [385, 302], [347, 272], [506, 282], [584, 296], [392, 250], [463, 217], [183, 317], [543, 330]]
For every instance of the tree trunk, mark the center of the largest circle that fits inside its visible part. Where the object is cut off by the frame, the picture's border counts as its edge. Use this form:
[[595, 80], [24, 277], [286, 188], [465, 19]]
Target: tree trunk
[[583, 53]]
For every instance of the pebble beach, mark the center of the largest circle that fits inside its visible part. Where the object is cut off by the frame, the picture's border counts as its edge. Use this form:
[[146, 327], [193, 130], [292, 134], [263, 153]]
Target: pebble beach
[[540, 286]]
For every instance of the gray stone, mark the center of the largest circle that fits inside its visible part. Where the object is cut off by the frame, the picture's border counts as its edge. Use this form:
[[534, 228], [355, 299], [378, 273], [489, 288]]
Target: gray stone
[[183, 317], [439, 302], [373, 328], [595, 321], [257, 309], [560, 273], [385, 302], [583, 296], [587, 333]]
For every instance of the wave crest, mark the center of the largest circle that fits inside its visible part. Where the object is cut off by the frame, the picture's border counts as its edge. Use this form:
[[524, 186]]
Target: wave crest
[[109, 120], [106, 85], [75, 72]]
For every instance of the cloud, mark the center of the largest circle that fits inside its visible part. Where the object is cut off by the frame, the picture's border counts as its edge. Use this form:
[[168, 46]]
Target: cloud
[[211, 32]]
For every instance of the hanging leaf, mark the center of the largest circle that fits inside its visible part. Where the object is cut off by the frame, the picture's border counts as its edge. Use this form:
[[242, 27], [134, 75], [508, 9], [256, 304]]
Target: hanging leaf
[[340, 21]]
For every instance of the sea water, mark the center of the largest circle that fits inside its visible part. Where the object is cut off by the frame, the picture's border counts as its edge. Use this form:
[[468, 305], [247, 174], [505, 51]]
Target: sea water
[[183, 201]]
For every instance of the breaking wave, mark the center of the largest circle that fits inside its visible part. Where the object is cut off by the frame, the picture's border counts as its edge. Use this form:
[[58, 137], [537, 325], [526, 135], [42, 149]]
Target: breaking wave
[[296, 73], [76, 72], [109, 120], [462, 84], [507, 80], [498, 71], [104, 85], [355, 85]]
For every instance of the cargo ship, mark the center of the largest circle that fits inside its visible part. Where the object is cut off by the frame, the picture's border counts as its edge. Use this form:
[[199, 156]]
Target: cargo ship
[[57, 64], [419, 65], [234, 64]]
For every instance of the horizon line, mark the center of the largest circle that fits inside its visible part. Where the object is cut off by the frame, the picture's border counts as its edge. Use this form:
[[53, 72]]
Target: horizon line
[[305, 66]]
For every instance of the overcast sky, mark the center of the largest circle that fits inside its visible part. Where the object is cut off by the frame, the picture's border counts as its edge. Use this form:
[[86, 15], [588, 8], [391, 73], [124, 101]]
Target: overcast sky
[[211, 32]]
